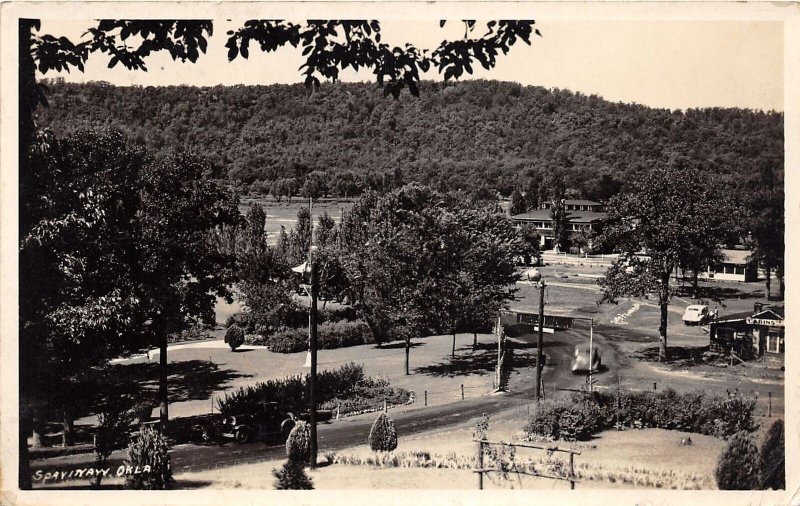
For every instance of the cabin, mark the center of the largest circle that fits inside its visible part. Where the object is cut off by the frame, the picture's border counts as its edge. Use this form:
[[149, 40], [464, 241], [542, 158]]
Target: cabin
[[736, 266], [750, 334]]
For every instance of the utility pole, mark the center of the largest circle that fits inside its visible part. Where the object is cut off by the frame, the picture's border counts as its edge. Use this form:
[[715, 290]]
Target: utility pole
[[540, 342], [313, 375]]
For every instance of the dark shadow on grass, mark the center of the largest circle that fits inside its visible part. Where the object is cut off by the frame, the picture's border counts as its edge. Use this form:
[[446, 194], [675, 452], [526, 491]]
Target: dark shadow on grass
[[479, 361], [678, 355], [192, 484], [398, 345], [614, 333], [187, 380]]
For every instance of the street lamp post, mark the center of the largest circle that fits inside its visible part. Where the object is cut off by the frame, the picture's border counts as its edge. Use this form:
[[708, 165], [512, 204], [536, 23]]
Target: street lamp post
[[535, 276]]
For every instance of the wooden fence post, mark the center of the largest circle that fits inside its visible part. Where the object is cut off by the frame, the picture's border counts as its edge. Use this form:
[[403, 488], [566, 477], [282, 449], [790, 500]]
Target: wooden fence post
[[426, 397], [572, 471], [480, 465], [462, 392]]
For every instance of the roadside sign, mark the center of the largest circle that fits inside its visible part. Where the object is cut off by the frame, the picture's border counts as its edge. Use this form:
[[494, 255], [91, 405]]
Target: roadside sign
[[550, 321]]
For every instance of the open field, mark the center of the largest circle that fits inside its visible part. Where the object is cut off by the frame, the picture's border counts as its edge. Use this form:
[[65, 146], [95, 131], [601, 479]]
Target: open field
[[284, 214]]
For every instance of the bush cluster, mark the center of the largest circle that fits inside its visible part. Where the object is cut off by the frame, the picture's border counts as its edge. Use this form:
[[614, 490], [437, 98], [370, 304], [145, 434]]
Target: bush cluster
[[383, 434], [743, 467], [329, 336], [579, 417], [149, 448], [346, 385]]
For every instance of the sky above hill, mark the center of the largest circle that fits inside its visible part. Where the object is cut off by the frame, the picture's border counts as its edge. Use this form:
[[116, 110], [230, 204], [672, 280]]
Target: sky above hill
[[669, 64]]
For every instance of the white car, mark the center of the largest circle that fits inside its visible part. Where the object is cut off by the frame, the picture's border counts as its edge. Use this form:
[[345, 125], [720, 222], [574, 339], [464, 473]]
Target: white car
[[696, 314]]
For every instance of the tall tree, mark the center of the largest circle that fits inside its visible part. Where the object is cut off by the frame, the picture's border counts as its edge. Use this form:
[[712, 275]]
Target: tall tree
[[181, 270], [78, 306], [655, 223], [552, 190], [763, 200]]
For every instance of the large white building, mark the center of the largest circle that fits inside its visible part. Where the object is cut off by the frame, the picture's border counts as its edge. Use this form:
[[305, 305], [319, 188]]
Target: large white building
[[580, 215]]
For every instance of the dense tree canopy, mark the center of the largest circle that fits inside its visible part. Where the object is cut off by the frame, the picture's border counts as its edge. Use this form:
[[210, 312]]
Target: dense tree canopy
[[467, 135]]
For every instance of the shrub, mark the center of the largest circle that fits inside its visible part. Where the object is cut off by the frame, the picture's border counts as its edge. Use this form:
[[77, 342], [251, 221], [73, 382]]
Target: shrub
[[298, 444], [241, 319], [383, 434], [150, 452], [772, 458], [292, 476], [234, 336], [737, 467], [346, 385], [114, 422]]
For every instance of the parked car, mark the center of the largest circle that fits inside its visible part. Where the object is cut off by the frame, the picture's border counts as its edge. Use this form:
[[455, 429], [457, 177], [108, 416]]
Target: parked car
[[271, 422], [696, 314], [585, 360]]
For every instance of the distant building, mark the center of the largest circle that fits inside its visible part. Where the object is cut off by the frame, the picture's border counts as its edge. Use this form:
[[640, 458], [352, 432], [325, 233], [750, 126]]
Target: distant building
[[580, 215], [750, 334], [737, 266]]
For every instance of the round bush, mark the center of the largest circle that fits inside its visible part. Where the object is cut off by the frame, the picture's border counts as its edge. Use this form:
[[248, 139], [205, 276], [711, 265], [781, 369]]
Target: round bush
[[292, 476], [737, 467], [383, 435], [772, 458], [298, 444], [150, 453], [234, 336]]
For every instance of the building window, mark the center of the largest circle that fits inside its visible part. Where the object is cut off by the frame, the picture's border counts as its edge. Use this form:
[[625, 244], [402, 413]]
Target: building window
[[773, 342]]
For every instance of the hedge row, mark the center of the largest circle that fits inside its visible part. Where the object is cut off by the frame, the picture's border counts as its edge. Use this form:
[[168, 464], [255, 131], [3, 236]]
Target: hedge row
[[346, 385], [579, 417], [329, 336], [297, 317]]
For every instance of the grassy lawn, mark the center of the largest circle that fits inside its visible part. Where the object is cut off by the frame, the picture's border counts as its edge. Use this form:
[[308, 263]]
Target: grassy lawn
[[203, 370]]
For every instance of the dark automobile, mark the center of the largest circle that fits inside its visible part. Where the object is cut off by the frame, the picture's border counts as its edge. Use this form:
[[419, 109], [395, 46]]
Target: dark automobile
[[271, 422], [585, 360]]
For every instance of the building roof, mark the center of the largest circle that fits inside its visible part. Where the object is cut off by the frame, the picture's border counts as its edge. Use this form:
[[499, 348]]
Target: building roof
[[769, 313], [585, 216], [535, 215], [580, 202], [572, 216], [766, 313], [737, 256], [734, 317]]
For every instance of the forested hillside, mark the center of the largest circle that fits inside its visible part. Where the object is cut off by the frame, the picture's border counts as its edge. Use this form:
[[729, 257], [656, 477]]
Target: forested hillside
[[474, 134]]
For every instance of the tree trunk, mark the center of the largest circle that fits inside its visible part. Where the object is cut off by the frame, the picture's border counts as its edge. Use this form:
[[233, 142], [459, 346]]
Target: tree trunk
[[781, 283], [474, 340], [408, 350], [68, 434], [769, 294], [662, 329], [453, 353], [163, 395], [695, 294], [24, 461]]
